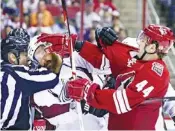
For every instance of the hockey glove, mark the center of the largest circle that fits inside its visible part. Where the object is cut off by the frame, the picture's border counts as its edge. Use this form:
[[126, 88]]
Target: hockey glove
[[80, 89], [59, 43], [91, 110], [110, 83], [105, 36]]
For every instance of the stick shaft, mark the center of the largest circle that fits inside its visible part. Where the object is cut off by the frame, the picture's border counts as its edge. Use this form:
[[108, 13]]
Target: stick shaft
[[79, 111], [155, 100]]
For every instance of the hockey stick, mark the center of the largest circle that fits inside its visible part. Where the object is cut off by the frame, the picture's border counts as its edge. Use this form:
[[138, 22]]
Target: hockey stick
[[79, 111], [21, 13], [154, 100]]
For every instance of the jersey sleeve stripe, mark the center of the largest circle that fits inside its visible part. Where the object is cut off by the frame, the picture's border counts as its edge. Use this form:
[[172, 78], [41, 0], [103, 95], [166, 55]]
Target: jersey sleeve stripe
[[126, 100], [40, 71], [116, 103], [121, 101], [103, 62]]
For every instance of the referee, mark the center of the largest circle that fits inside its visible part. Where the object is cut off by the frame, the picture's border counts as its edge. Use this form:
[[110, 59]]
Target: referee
[[18, 83]]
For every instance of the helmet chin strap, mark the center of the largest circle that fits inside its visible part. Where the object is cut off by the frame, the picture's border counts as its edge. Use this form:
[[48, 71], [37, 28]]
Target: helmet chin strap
[[144, 53], [35, 63]]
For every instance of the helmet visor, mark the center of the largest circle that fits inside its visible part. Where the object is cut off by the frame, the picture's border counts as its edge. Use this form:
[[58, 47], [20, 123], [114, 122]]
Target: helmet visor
[[142, 37]]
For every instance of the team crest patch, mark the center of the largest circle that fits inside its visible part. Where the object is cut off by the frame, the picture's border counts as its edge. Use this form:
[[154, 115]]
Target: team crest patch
[[157, 68]]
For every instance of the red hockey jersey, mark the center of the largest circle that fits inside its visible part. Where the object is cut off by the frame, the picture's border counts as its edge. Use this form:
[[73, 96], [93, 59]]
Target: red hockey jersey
[[136, 82]]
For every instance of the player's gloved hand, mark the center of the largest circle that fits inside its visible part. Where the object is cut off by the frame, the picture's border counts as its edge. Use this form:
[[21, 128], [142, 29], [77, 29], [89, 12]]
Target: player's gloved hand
[[81, 88], [105, 36], [84, 107], [110, 82], [58, 43], [89, 109], [55, 43]]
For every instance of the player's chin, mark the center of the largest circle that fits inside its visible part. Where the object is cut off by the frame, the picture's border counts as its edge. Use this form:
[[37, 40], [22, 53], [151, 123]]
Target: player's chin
[[56, 63]]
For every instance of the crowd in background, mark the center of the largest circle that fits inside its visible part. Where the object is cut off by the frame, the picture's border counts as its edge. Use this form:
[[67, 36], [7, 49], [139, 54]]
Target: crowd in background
[[46, 16], [168, 12]]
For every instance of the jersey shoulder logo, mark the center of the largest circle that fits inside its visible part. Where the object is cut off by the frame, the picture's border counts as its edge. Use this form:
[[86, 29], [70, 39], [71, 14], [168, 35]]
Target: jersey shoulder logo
[[157, 68], [131, 62]]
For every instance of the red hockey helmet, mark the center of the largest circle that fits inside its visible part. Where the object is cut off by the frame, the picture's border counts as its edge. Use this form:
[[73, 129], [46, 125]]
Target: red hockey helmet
[[162, 35]]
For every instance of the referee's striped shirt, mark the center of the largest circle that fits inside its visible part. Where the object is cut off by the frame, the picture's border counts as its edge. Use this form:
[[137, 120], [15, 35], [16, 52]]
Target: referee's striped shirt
[[17, 84]]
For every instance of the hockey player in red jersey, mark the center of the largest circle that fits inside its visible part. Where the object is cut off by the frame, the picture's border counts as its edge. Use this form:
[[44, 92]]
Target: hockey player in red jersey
[[138, 79]]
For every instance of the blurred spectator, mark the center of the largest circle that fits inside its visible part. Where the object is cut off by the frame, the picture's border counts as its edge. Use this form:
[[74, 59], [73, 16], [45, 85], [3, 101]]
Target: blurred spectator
[[8, 29], [39, 28], [26, 20], [118, 26], [60, 26], [92, 36], [116, 23], [88, 15], [167, 10], [30, 6], [98, 4], [171, 16], [14, 20], [106, 15], [9, 3], [122, 34], [68, 2], [55, 2], [47, 19], [76, 3], [5, 31], [96, 23]]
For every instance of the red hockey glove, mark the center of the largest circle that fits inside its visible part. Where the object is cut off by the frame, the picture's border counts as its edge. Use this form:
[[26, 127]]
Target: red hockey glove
[[58, 43], [80, 89], [105, 36]]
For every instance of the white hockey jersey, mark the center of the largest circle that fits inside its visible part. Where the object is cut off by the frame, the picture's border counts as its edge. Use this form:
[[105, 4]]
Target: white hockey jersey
[[68, 119]]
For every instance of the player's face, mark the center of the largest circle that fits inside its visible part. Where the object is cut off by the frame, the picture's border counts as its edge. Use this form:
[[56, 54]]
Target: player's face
[[142, 42], [39, 53], [145, 47], [51, 61], [46, 60], [141, 50], [23, 59]]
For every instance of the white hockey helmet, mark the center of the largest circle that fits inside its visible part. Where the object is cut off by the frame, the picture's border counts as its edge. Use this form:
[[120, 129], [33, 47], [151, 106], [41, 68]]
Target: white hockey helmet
[[131, 42], [33, 45]]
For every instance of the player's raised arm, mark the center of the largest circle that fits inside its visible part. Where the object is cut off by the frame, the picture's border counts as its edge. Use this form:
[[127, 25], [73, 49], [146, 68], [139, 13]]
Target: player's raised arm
[[121, 101], [108, 48], [92, 53]]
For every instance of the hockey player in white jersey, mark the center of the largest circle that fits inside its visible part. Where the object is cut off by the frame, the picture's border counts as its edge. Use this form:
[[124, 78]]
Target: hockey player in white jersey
[[52, 104]]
